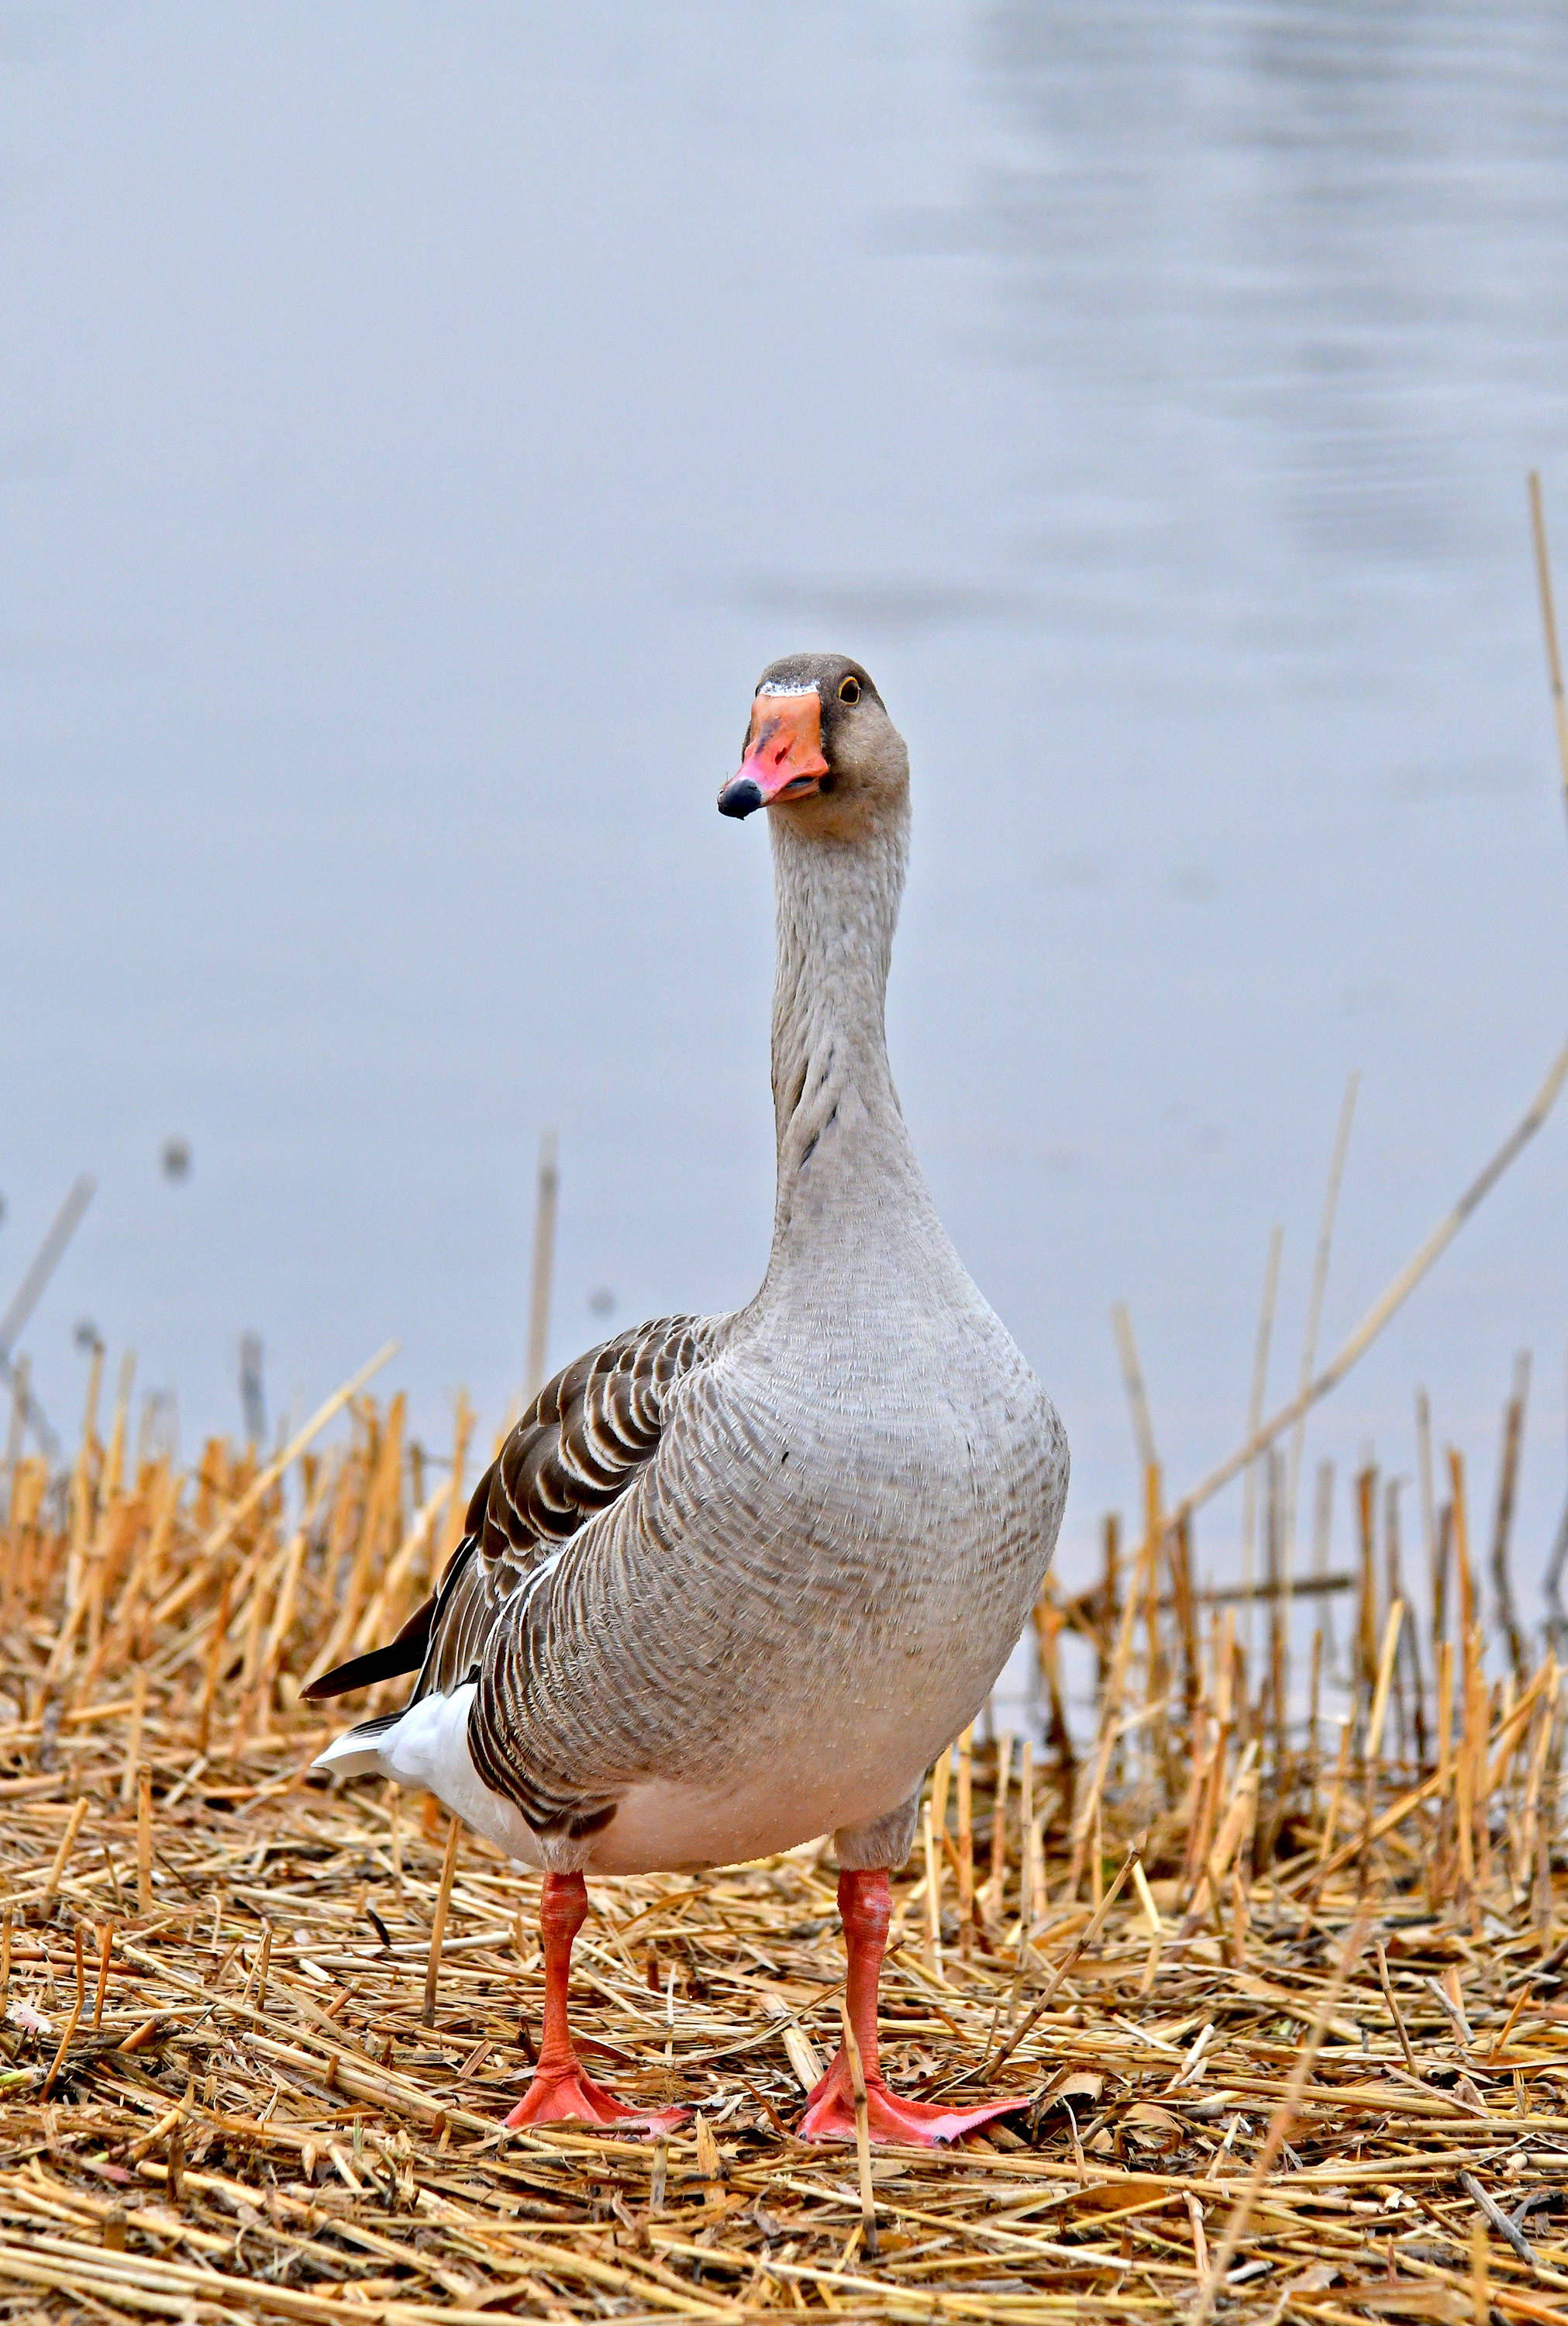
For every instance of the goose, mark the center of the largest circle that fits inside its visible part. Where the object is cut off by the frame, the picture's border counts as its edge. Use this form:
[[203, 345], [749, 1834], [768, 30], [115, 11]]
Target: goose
[[734, 1582]]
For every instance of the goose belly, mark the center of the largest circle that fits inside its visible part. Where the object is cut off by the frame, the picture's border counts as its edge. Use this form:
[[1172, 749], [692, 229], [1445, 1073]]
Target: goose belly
[[669, 1825]]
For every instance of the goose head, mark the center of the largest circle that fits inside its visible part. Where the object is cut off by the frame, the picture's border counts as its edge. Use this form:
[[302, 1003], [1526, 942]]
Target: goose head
[[819, 751]]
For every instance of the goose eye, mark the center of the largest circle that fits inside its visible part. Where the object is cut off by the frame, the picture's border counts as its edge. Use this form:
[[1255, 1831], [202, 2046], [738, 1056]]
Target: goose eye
[[850, 690]]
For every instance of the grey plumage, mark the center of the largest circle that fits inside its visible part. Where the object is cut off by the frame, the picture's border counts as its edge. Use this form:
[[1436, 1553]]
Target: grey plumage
[[735, 1580]]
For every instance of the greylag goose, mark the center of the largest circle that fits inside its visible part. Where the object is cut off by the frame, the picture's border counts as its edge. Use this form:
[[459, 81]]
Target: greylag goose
[[735, 1581]]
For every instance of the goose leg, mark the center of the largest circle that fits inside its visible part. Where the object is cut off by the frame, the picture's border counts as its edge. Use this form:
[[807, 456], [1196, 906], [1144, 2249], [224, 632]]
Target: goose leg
[[560, 2090], [866, 1909]]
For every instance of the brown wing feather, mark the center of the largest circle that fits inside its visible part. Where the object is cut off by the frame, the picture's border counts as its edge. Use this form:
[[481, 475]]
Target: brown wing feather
[[579, 1446]]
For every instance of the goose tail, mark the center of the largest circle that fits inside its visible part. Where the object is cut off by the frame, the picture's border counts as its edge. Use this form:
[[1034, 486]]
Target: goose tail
[[360, 1752]]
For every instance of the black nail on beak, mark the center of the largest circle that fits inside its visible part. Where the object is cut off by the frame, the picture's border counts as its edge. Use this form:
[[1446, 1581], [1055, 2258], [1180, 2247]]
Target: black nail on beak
[[740, 797]]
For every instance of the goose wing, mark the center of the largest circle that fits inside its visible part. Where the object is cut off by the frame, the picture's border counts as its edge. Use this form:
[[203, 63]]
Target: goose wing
[[587, 1434]]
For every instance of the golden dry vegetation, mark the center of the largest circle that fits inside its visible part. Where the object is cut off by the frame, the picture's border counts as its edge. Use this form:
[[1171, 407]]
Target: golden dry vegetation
[[1287, 2013]]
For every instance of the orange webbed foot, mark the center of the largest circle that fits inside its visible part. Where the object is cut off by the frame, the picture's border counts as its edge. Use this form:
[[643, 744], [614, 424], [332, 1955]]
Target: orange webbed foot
[[568, 2095], [913, 2124]]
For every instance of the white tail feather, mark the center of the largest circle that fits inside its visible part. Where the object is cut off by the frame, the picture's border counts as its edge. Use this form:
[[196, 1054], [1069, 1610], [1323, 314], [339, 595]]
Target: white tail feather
[[354, 1754]]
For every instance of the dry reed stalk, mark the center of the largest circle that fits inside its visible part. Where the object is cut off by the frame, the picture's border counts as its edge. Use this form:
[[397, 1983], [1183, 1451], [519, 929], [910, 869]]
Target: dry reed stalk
[[1461, 1530], [215, 1658], [73, 1826], [997, 1879], [439, 1925], [862, 2129], [1111, 1710], [542, 1269], [133, 1733], [1394, 2011], [1393, 1297], [20, 1380], [1240, 1811], [1320, 1285], [115, 1459], [1429, 1526], [1366, 1594], [1048, 1621], [933, 1892], [1138, 1396], [1549, 625], [1503, 1519], [1258, 1391], [941, 1783], [966, 1844], [1153, 1630], [106, 1947], [1379, 1713], [145, 1840], [71, 2023], [84, 1483], [1179, 1550], [1110, 1587]]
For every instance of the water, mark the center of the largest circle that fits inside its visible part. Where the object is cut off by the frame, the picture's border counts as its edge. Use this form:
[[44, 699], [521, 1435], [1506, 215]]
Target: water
[[417, 428]]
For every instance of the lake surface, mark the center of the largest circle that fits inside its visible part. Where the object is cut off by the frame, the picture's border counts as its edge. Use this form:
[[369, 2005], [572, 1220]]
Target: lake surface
[[417, 427]]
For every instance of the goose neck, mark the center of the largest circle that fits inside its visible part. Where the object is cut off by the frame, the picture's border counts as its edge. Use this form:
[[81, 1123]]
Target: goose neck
[[836, 1112]]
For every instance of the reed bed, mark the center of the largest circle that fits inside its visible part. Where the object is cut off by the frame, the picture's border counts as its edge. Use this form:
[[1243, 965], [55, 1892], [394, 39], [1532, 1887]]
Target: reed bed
[[1283, 1997]]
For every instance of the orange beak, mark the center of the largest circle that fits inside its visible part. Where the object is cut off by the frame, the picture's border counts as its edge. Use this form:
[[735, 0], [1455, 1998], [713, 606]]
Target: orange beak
[[783, 754]]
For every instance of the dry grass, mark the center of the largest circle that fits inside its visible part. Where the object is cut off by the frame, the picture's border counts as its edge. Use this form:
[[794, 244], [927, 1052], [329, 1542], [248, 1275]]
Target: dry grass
[[1302, 2056]]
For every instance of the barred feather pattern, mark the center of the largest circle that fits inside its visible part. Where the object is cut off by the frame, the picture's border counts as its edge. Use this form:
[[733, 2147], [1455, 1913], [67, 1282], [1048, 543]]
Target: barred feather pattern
[[587, 1433]]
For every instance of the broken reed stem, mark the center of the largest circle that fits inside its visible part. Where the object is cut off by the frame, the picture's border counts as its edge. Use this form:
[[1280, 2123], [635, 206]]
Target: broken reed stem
[[941, 1780], [540, 1276], [67, 1844], [71, 2024], [133, 1733], [106, 1947], [1138, 1396], [862, 2129], [1394, 2011], [932, 1892], [1461, 1525], [997, 1879], [215, 1658], [1503, 1521], [439, 1927], [145, 1839], [1374, 1731]]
